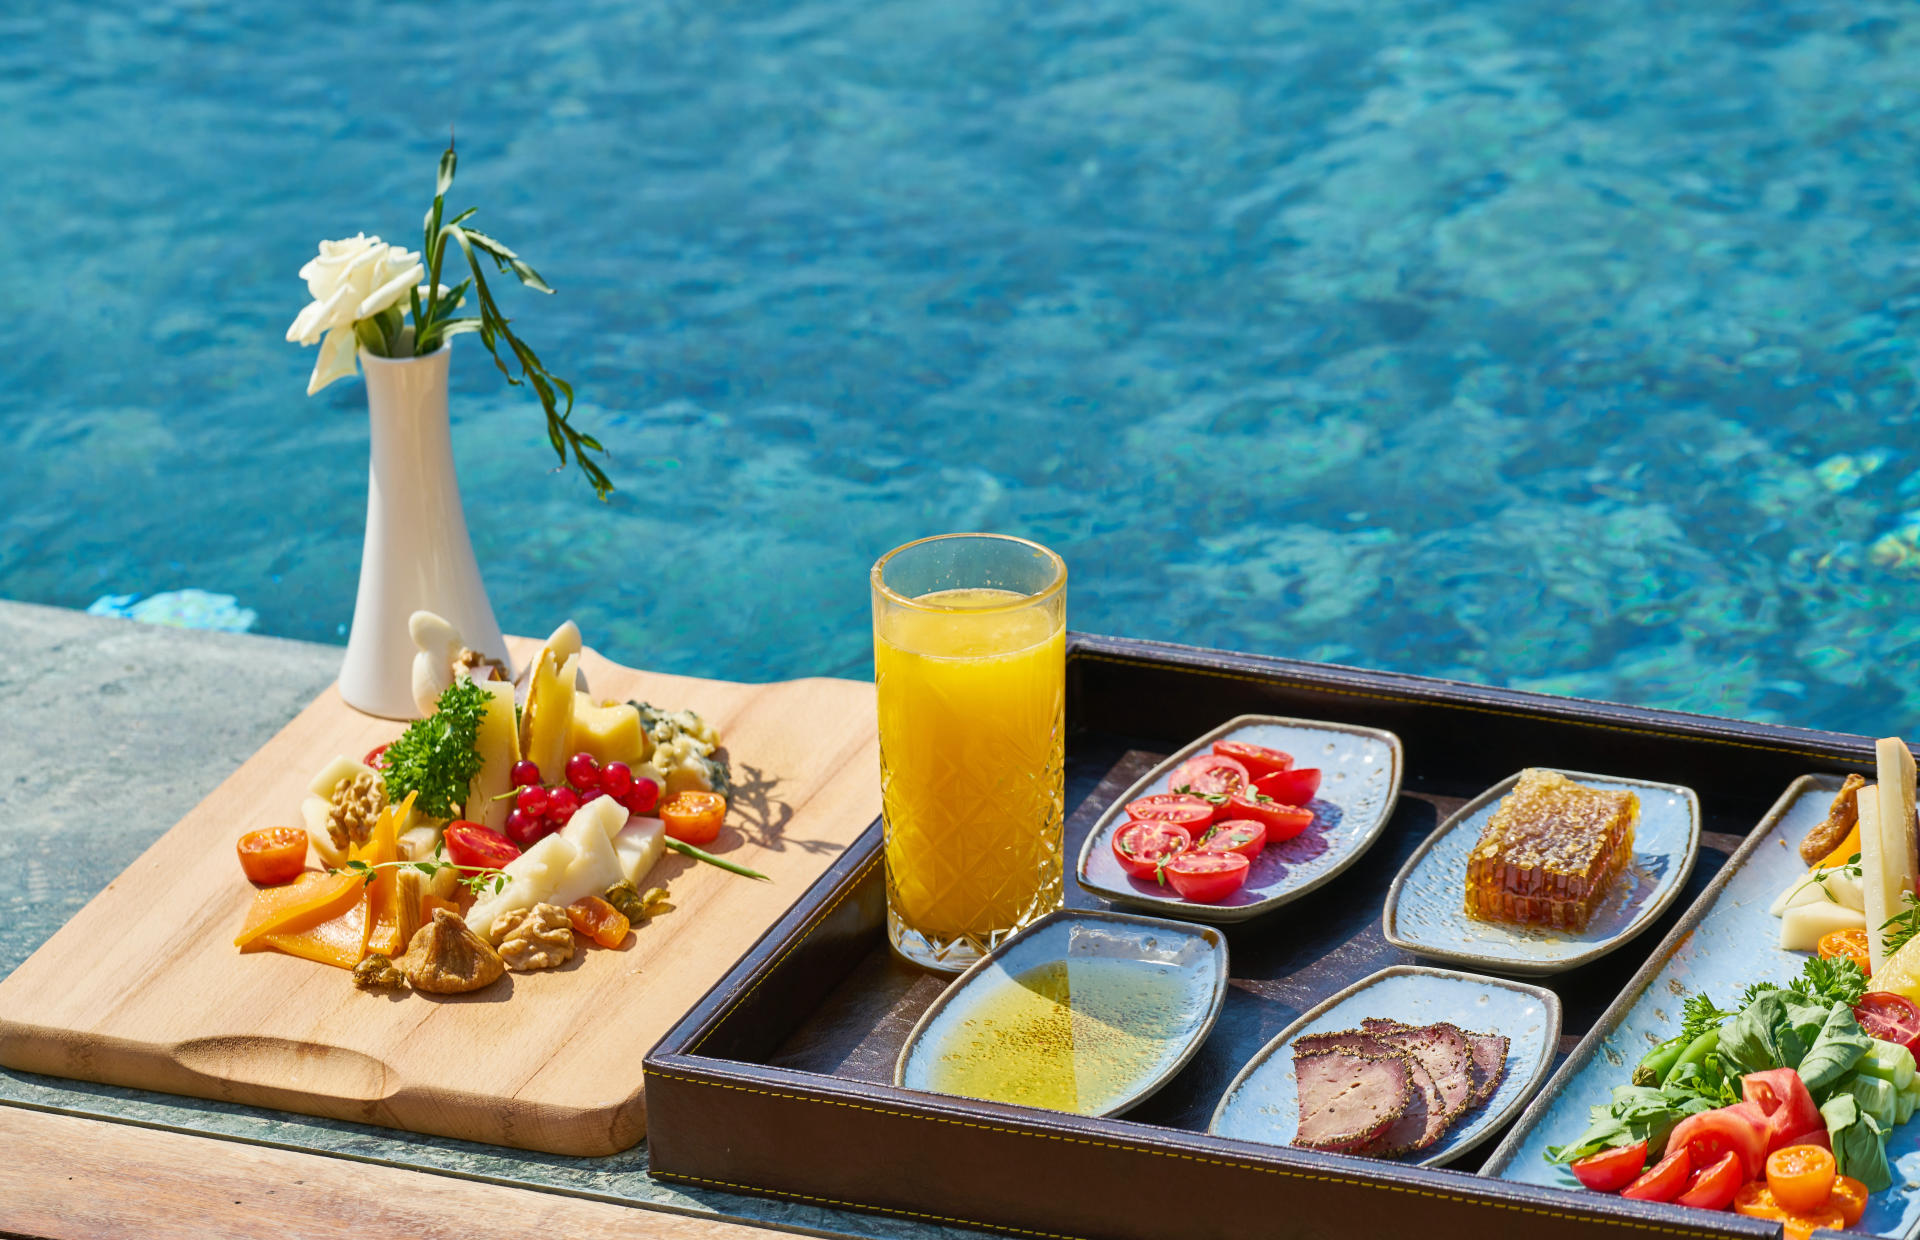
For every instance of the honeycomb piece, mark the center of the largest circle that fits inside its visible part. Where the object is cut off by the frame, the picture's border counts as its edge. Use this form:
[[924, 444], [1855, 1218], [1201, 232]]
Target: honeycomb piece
[[1550, 853]]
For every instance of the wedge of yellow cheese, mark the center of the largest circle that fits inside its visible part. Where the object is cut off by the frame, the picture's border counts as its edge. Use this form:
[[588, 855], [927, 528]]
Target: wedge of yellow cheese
[[498, 744], [547, 723], [611, 733]]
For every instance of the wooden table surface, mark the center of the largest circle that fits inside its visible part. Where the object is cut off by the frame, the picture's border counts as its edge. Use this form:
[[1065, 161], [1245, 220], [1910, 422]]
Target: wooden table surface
[[63, 1178]]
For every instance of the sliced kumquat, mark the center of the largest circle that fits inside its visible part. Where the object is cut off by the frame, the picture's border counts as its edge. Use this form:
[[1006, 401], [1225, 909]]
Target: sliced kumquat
[[1755, 1200], [1850, 1198], [1801, 1225], [1801, 1177], [1851, 944]]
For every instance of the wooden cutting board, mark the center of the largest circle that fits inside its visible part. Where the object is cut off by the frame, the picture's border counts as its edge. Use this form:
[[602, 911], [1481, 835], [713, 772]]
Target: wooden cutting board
[[144, 988]]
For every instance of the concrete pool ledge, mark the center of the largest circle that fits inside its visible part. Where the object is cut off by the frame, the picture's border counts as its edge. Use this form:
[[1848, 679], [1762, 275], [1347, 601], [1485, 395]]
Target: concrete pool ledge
[[111, 731]]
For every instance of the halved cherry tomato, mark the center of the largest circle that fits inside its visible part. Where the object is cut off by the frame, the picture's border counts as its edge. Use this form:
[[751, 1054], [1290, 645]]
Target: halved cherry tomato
[[1801, 1177], [273, 856], [1711, 1135], [1755, 1200], [1849, 1197], [1193, 813], [1239, 836], [1889, 1017], [1851, 944], [470, 844], [1293, 787], [1211, 775], [1609, 1171], [1207, 877], [1713, 1189], [1783, 1100], [1801, 1224], [1283, 821], [694, 817], [373, 757], [1141, 847], [1258, 759], [1666, 1179]]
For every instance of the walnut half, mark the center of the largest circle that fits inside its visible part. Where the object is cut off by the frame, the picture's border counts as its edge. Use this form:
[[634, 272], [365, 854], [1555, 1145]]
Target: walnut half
[[447, 958], [354, 808], [540, 937]]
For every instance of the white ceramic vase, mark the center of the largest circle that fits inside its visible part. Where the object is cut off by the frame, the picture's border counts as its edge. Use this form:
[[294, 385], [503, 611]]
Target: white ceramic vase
[[417, 553]]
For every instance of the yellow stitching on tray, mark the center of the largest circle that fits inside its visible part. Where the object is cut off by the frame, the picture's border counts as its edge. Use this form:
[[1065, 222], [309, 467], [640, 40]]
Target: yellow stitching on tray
[[852, 885], [1148, 1149], [1316, 687]]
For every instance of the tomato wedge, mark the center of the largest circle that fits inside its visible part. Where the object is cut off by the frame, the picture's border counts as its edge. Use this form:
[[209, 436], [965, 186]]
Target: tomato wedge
[[1211, 775], [1667, 1178], [1783, 1099], [1713, 1189], [1207, 877], [1609, 1171], [1711, 1135], [1801, 1177], [1141, 847], [470, 844], [1851, 944], [1292, 787], [1258, 759], [1283, 821], [1889, 1017], [1191, 812], [273, 856], [1239, 836], [1849, 1197]]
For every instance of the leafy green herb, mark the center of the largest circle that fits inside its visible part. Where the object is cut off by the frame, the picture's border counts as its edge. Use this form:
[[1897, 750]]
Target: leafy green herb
[[1839, 980], [434, 758], [435, 321], [1896, 930], [480, 881], [1700, 1016]]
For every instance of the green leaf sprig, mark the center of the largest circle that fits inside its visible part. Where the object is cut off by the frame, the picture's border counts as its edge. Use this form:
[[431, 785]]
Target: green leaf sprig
[[436, 320], [1896, 930], [479, 880], [435, 756]]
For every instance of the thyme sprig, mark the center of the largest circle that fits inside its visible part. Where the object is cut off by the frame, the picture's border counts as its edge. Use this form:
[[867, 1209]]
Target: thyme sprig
[[1896, 930], [482, 881]]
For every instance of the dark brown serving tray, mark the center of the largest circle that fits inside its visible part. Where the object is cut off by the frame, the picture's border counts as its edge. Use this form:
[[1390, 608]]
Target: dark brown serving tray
[[778, 1081]]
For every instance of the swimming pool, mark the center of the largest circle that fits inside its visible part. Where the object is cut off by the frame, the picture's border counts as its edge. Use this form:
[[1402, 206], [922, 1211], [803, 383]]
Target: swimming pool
[[1493, 339]]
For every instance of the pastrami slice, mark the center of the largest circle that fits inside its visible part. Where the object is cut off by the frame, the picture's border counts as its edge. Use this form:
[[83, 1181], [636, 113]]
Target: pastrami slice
[[1489, 1064], [1422, 1124], [1349, 1097], [1446, 1052]]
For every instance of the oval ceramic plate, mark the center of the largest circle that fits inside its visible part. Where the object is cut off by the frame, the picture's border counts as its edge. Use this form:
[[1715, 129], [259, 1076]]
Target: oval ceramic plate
[[1110, 961], [1426, 910], [1263, 1103], [1359, 783]]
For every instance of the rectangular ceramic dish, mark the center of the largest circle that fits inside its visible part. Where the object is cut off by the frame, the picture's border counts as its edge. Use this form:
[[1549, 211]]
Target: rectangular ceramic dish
[[779, 1081]]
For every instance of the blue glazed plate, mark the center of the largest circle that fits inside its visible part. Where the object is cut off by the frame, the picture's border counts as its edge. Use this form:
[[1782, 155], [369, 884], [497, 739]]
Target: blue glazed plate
[[1426, 914], [1263, 1103], [1197, 955], [1724, 944], [1359, 783]]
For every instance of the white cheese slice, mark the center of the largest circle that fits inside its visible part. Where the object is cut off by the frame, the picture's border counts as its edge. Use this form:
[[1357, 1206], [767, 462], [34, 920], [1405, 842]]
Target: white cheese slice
[[532, 877], [595, 865], [1838, 885], [1805, 924], [315, 812], [334, 773], [640, 846], [1893, 799]]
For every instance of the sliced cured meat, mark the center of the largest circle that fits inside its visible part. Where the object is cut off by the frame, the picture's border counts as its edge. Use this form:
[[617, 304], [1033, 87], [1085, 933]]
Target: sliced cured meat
[[1444, 1050], [1348, 1097], [1419, 1126], [1489, 1064], [1358, 1040]]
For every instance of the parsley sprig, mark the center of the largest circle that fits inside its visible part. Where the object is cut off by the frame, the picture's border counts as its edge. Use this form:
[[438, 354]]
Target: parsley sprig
[[435, 757]]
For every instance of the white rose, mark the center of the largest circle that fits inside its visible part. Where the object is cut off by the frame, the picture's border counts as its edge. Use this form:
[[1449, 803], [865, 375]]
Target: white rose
[[352, 279]]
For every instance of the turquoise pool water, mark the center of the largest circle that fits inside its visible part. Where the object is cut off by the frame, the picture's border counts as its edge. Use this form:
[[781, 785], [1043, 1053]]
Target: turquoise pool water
[[1558, 347]]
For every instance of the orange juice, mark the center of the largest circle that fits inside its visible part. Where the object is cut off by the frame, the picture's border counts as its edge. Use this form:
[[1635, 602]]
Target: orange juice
[[972, 693]]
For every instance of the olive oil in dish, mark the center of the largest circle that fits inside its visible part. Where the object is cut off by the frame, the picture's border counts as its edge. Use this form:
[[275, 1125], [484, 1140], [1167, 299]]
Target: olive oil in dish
[[1075, 1035]]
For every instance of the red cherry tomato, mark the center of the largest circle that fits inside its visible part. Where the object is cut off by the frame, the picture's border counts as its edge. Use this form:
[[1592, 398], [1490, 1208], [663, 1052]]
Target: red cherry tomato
[[273, 855], [1207, 877], [1889, 1017], [694, 817], [470, 844], [1141, 847], [1292, 787], [1711, 1135], [1283, 822], [1713, 1189], [1191, 812], [1210, 775], [1789, 1109], [1666, 1180], [1609, 1171], [373, 756], [1258, 759], [1242, 836]]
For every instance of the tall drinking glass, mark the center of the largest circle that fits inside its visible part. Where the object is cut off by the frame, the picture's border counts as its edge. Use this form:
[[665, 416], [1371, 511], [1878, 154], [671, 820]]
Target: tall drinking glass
[[969, 654]]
